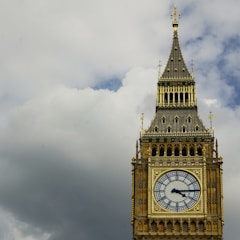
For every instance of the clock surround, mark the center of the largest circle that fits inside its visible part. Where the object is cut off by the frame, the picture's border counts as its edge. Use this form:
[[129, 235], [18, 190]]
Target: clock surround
[[177, 190]]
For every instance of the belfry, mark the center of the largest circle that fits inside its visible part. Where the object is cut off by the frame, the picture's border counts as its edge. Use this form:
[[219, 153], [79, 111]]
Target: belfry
[[177, 191]]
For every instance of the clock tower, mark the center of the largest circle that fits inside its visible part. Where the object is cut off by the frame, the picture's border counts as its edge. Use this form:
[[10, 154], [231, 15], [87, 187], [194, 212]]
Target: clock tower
[[177, 191]]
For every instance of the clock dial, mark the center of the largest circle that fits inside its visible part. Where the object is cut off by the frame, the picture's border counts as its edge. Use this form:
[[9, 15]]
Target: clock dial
[[177, 191]]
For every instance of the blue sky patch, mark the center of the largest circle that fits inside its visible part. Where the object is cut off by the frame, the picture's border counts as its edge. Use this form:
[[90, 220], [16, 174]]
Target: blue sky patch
[[227, 74], [112, 84]]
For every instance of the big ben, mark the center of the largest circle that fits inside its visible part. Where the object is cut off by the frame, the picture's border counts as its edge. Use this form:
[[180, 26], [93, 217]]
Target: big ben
[[177, 191]]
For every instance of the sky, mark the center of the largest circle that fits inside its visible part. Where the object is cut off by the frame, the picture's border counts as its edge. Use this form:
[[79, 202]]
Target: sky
[[75, 77]]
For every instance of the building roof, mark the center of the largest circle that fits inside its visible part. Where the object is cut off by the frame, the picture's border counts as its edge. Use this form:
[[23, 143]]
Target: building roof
[[176, 68], [176, 111]]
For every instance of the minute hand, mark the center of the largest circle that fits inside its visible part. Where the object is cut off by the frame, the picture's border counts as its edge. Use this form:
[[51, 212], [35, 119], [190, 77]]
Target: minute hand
[[190, 190]]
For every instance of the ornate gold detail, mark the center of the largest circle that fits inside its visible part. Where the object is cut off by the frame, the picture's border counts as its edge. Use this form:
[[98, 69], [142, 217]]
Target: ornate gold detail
[[175, 15], [172, 146]]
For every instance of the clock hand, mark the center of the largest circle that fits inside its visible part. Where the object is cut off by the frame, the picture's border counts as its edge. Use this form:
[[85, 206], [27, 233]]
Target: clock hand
[[189, 190], [174, 190]]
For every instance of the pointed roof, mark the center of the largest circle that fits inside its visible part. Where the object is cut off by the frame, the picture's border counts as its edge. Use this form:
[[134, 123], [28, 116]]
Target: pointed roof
[[176, 67], [176, 117]]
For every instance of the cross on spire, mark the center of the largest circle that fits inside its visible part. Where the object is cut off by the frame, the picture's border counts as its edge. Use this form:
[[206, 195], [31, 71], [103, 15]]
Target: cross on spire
[[175, 16]]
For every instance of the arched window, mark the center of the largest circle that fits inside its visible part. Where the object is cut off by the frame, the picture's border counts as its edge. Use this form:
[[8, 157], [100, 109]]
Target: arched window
[[161, 226], [161, 153], [184, 151], [184, 129], [189, 119], [177, 226], [201, 226], [176, 97], [176, 119], [154, 226], [181, 97], [156, 129], [193, 226], [197, 128], [169, 151], [171, 97], [199, 151], [186, 97], [176, 151], [191, 151], [169, 226], [163, 119], [165, 97], [185, 226], [154, 150], [168, 129]]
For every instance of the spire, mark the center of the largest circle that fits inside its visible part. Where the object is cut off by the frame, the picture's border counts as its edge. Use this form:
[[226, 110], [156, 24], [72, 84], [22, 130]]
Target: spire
[[176, 68]]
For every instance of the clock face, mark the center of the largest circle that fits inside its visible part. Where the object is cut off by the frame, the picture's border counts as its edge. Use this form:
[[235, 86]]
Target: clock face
[[177, 190]]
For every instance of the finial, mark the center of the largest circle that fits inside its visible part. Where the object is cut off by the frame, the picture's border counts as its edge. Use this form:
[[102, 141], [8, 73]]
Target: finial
[[159, 69], [142, 118], [175, 16], [136, 149], [211, 117], [192, 65], [216, 148]]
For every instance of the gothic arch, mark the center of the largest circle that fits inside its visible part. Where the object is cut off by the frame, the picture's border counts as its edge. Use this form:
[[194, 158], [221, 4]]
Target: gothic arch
[[163, 119], [176, 150], [184, 150], [161, 150], [171, 97], [201, 226], [169, 226], [193, 226], [199, 150], [176, 119], [184, 129], [177, 226], [186, 97], [191, 150], [166, 98], [169, 150], [189, 119], [169, 129], [154, 150], [154, 226], [181, 97], [185, 226], [176, 97], [161, 226]]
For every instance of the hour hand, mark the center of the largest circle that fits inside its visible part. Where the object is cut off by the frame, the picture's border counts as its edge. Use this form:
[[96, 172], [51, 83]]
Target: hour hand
[[174, 190]]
